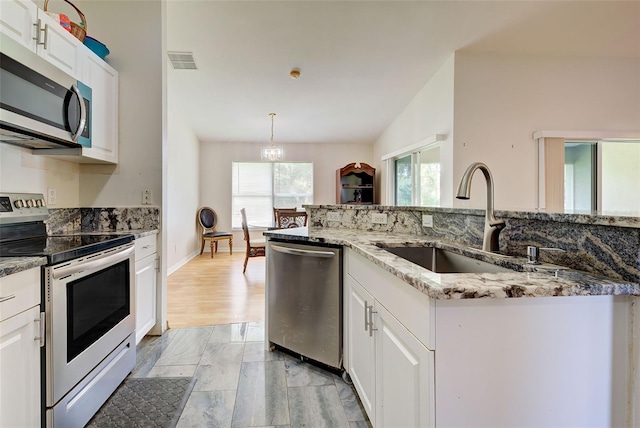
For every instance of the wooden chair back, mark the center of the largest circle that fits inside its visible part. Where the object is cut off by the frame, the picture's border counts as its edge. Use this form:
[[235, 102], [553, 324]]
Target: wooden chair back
[[208, 220], [277, 210], [257, 249], [245, 226], [288, 219]]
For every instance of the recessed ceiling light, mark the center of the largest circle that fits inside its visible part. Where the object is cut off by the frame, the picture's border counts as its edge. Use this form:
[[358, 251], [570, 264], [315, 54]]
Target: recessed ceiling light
[[294, 74]]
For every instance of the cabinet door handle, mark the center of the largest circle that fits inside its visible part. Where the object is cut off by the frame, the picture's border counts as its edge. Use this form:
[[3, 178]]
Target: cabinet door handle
[[371, 329], [38, 30], [46, 35], [9, 297], [40, 336], [146, 246], [366, 323]]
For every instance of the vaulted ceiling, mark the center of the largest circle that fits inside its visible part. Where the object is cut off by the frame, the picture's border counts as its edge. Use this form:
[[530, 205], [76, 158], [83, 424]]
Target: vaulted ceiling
[[361, 62]]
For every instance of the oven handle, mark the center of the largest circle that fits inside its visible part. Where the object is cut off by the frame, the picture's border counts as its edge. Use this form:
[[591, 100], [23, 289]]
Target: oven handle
[[93, 264]]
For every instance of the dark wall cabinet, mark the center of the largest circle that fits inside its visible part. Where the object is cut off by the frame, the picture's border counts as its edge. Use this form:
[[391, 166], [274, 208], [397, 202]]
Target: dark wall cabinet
[[356, 184]]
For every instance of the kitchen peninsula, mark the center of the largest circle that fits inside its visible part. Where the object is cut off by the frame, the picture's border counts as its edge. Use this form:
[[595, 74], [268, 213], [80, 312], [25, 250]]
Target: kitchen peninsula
[[539, 345]]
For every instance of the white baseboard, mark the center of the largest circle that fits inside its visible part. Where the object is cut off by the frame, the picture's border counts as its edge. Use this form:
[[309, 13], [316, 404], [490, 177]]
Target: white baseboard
[[180, 263]]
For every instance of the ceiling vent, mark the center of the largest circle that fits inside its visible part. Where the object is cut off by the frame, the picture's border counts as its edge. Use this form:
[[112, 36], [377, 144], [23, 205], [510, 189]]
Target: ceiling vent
[[182, 60]]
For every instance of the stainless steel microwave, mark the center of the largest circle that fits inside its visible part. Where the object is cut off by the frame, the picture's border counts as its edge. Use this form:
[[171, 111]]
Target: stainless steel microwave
[[41, 106]]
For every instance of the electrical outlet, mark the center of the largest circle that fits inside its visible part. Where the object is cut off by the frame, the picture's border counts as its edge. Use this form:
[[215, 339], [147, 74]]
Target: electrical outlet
[[427, 220], [52, 197], [379, 218], [146, 197], [333, 216]]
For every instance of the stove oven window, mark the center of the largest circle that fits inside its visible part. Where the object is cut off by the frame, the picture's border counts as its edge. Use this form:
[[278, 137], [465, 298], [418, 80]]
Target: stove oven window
[[96, 304]]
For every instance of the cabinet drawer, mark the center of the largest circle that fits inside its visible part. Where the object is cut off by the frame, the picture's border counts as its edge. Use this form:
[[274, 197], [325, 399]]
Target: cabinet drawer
[[25, 287], [145, 246], [415, 310]]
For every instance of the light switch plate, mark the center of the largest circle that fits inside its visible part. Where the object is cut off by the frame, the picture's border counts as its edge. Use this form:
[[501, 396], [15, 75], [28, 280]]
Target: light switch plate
[[379, 218], [427, 220], [52, 196], [333, 216], [146, 197]]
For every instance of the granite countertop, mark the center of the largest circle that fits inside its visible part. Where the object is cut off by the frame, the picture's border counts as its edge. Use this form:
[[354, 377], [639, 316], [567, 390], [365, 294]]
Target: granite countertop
[[11, 265], [621, 219], [525, 281]]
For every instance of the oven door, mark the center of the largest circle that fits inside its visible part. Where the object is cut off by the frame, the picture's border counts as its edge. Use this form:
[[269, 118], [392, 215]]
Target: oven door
[[89, 312]]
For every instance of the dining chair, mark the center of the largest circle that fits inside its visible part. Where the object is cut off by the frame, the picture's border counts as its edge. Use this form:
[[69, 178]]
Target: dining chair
[[288, 219], [277, 210], [208, 219], [255, 248]]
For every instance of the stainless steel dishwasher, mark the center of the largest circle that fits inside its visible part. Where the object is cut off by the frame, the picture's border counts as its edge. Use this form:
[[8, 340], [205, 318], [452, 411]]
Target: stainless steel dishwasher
[[304, 300]]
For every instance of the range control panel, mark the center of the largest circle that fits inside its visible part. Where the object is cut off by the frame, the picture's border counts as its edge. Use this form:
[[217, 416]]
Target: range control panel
[[22, 207]]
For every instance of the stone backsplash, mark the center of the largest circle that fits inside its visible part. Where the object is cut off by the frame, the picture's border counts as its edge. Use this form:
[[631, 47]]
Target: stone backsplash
[[601, 245], [73, 220]]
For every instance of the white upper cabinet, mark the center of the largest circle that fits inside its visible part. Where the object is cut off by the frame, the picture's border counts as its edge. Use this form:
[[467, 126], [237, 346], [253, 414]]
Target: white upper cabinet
[[18, 20], [103, 80], [58, 46], [24, 22]]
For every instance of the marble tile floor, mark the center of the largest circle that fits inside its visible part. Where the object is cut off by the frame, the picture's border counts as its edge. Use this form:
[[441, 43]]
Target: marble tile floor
[[239, 384]]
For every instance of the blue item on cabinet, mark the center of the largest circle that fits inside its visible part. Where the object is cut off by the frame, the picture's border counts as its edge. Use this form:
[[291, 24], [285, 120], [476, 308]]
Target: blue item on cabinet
[[97, 47]]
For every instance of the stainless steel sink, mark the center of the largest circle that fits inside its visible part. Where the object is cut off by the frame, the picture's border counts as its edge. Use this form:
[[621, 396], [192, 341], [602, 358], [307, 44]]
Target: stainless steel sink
[[442, 261]]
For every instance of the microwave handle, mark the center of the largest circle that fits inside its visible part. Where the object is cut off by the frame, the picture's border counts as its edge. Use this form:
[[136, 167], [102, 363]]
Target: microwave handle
[[83, 114]]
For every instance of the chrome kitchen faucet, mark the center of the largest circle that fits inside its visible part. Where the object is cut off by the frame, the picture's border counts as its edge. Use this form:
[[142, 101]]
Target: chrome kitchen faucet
[[492, 226]]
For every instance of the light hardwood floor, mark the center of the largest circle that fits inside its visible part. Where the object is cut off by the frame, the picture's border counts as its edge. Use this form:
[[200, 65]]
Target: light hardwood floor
[[209, 291]]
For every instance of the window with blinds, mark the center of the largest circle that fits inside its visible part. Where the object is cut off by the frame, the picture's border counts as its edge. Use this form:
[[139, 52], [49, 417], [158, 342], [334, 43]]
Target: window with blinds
[[259, 186]]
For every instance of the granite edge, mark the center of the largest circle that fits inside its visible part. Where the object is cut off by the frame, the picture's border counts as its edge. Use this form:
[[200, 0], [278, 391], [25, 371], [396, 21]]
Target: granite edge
[[11, 265], [524, 281], [602, 219]]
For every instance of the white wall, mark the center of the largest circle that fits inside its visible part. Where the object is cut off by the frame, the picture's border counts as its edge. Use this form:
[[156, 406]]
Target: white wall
[[215, 172], [132, 30], [429, 113], [183, 186], [137, 55], [22, 172], [500, 100]]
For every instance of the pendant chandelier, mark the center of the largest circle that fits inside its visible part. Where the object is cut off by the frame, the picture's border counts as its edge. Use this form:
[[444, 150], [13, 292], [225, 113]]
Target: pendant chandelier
[[271, 153]]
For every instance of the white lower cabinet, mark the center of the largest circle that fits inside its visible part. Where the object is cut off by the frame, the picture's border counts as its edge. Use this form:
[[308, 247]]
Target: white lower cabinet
[[391, 369], [501, 362], [361, 363], [146, 282], [20, 399], [404, 375]]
